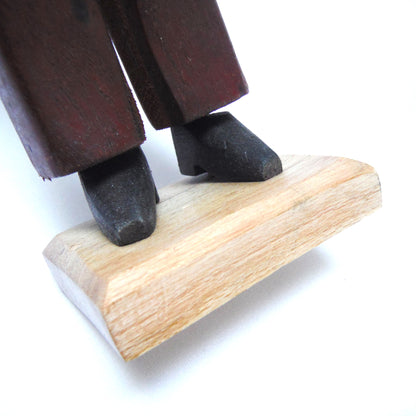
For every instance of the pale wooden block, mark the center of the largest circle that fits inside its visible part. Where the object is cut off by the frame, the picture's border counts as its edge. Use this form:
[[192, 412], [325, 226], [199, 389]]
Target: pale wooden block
[[213, 241]]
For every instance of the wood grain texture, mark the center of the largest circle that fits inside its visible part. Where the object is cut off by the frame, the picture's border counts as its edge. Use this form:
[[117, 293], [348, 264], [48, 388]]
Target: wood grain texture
[[213, 241], [62, 85]]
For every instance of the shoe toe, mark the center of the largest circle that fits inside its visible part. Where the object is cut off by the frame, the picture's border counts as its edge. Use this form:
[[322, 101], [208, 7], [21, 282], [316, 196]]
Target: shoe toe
[[122, 197], [272, 166], [132, 231]]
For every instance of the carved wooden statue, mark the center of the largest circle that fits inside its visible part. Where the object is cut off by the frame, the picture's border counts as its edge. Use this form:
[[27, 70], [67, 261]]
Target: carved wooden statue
[[66, 94]]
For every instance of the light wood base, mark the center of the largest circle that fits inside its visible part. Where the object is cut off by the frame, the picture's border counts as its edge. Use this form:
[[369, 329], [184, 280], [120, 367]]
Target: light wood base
[[213, 241]]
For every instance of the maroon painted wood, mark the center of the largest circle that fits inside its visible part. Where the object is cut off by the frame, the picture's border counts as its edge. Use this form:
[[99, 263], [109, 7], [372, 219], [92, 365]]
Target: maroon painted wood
[[178, 56], [62, 85]]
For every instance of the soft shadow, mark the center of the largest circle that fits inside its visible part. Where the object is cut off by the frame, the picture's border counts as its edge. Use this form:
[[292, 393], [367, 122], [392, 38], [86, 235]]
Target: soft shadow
[[61, 204], [170, 357], [65, 201], [161, 156]]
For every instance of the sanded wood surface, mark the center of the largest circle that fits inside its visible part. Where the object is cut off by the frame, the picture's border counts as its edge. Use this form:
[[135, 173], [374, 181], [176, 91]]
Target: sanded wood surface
[[213, 241]]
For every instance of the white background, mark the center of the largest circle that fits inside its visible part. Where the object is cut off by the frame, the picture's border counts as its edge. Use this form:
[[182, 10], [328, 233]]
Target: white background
[[333, 333]]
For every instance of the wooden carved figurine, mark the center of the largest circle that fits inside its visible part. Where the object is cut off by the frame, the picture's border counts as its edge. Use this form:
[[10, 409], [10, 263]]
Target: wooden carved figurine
[[66, 94]]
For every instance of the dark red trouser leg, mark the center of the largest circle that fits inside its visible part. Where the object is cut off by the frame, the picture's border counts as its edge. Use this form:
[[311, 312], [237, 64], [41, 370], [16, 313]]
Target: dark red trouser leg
[[178, 56], [62, 85]]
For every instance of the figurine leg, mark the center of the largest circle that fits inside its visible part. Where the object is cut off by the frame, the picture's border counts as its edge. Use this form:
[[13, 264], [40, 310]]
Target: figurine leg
[[178, 56], [122, 197], [63, 86], [220, 145], [66, 94], [182, 66]]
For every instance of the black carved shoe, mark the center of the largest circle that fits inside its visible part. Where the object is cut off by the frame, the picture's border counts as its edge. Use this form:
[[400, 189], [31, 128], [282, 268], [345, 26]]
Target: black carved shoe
[[220, 145], [122, 197]]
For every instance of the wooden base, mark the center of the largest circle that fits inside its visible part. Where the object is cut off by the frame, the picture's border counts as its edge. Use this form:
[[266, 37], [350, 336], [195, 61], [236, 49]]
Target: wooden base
[[213, 241]]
